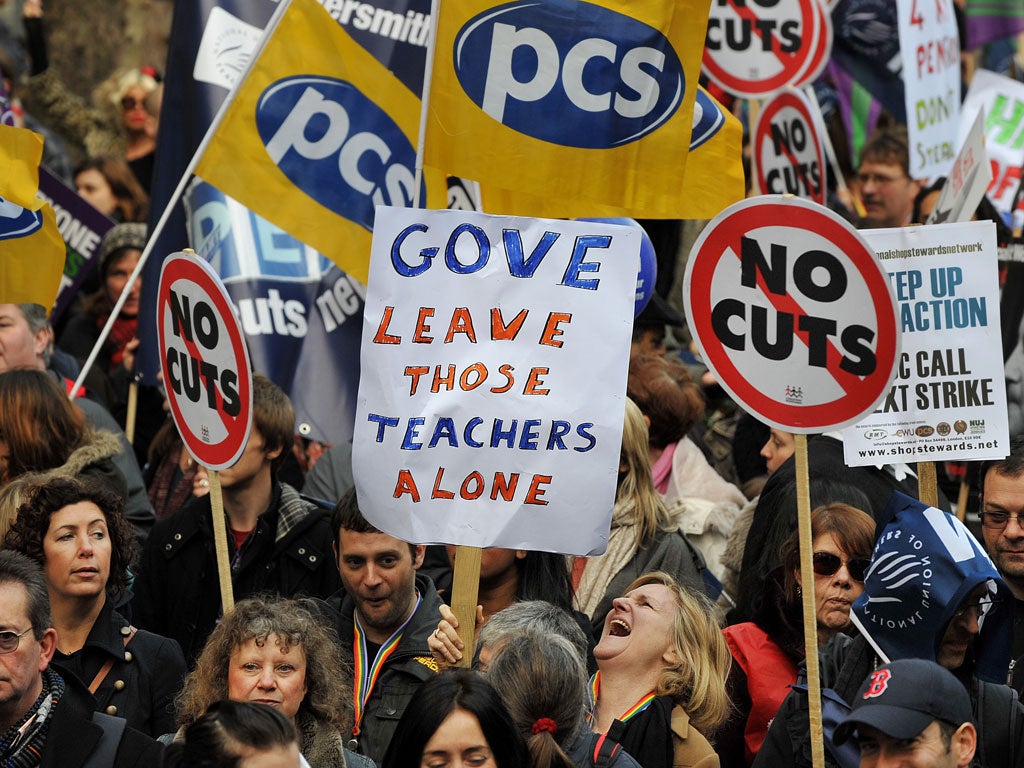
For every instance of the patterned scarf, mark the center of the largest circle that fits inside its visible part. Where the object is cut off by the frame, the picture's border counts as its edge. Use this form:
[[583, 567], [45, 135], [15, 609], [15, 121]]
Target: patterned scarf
[[21, 746]]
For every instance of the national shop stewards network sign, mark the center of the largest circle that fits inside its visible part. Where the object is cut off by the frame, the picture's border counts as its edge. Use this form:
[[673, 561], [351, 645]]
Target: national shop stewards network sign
[[494, 363]]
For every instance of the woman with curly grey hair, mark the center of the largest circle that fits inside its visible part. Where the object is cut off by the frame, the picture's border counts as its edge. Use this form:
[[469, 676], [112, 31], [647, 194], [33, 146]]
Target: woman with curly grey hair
[[76, 530], [273, 650]]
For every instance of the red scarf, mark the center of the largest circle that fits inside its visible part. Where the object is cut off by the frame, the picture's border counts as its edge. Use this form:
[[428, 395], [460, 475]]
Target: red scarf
[[122, 331]]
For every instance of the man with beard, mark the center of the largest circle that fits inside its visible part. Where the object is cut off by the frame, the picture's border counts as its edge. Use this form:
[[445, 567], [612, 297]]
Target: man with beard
[[385, 615]]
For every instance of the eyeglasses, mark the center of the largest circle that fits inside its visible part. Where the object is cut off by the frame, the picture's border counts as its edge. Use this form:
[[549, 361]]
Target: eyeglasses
[[827, 564], [130, 102], [9, 641], [979, 608], [999, 519], [878, 179]]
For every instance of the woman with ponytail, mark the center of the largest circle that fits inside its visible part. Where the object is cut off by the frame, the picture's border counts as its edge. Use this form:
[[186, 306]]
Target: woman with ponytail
[[542, 680]]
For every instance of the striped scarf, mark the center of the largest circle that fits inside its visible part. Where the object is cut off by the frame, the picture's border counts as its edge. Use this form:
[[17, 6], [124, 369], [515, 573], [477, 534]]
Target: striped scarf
[[21, 746]]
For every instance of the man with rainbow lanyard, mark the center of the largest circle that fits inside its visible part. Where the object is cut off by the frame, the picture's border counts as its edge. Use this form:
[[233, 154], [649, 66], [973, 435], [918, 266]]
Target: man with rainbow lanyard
[[385, 615]]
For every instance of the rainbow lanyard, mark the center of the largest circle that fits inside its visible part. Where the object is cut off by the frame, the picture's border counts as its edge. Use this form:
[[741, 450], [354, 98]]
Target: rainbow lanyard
[[366, 674], [636, 709]]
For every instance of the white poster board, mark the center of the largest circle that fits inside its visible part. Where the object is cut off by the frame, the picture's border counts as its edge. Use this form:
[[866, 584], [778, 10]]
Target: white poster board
[[967, 182], [492, 393], [930, 50], [948, 401], [1002, 100]]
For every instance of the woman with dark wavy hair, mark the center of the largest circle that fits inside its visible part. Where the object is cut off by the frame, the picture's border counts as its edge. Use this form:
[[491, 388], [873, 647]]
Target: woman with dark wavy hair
[[76, 530], [273, 650]]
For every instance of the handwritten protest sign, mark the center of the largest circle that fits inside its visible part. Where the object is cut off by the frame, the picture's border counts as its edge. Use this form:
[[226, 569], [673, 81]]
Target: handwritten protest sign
[[1002, 100], [948, 400], [930, 50], [494, 364]]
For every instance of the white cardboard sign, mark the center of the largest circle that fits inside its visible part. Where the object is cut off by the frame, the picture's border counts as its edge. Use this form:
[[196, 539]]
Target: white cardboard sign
[[494, 362], [969, 178], [1002, 101], [930, 50], [948, 401]]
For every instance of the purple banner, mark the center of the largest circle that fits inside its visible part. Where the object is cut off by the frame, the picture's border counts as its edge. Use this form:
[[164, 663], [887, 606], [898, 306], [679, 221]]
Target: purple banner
[[82, 228]]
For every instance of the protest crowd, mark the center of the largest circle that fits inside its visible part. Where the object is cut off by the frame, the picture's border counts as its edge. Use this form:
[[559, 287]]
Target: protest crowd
[[137, 630]]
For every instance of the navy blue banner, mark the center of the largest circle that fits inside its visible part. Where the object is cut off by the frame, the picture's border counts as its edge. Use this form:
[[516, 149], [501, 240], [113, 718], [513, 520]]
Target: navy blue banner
[[302, 316], [225, 32]]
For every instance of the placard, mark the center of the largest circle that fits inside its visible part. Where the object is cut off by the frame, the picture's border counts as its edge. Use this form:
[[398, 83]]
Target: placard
[[494, 361], [948, 401]]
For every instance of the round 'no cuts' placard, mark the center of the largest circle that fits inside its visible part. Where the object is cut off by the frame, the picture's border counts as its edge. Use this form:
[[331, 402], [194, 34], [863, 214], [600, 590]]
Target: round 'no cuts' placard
[[793, 313], [204, 361]]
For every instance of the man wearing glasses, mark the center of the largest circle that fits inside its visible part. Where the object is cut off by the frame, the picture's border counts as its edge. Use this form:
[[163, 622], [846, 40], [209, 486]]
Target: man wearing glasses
[[931, 593], [45, 719], [1002, 527], [883, 179]]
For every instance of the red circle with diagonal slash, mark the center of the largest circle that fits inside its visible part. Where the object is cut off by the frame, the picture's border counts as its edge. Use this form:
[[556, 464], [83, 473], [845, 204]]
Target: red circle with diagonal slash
[[209, 388], [816, 63], [754, 72], [787, 112], [792, 391]]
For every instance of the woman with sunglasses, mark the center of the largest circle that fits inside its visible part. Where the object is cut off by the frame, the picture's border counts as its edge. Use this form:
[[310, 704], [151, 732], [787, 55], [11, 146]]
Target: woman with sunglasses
[[768, 649]]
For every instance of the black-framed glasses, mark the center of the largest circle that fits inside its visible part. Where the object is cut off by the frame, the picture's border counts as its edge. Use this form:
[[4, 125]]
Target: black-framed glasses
[[130, 102], [979, 608], [998, 518], [9, 640], [827, 564]]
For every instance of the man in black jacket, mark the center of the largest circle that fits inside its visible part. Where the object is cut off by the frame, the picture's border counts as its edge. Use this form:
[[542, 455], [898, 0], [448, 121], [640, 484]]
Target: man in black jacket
[[41, 712], [385, 615], [1002, 527], [278, 542]]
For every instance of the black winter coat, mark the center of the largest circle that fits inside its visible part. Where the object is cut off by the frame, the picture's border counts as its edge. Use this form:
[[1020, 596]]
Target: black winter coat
[[144, 680], [73, 737], [176, 592], [403, 673]]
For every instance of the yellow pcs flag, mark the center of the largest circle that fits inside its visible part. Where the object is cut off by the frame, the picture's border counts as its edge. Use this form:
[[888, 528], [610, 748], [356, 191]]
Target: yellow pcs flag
[[317, 134], [578, 100], [713, 181], [31, 249]]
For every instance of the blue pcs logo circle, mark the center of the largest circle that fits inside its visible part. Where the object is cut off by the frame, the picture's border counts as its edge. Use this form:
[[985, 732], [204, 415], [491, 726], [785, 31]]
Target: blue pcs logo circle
[[16, 221], [338, 146], [569, 73]]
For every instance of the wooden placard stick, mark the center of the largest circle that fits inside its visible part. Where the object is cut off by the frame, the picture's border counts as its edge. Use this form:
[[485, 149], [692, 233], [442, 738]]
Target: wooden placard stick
[[927, 484], [133, 408], [962, 499], [803, 497], [465, 590], [220, 537]]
